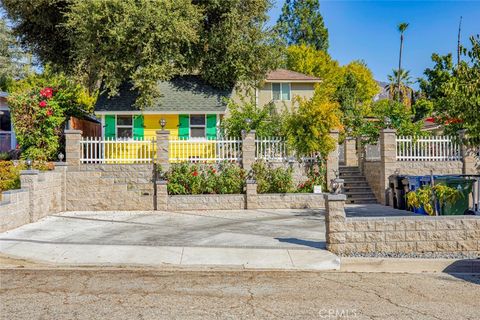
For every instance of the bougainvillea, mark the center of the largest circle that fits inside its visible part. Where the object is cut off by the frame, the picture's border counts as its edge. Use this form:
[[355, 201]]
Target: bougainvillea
[[38, 119]]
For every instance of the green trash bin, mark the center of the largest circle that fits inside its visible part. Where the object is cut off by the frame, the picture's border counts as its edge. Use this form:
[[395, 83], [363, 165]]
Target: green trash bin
[[461, 206]]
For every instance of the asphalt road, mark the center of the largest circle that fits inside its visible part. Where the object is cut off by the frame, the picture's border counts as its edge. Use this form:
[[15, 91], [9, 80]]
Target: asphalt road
[[143, 294]]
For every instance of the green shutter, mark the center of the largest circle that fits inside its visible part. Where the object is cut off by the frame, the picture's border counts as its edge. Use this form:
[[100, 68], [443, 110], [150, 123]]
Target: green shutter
[[138, 127], [183, 126], [211, 126], [110, 127]]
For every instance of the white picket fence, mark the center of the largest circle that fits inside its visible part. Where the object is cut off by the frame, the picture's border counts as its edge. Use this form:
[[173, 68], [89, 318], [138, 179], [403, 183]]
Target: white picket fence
[[192, 150], [435, 148], [271, 149], [112, 151]]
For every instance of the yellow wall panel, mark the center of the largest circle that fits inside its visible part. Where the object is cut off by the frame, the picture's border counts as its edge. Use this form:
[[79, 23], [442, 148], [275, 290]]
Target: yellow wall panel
[[152, 124]]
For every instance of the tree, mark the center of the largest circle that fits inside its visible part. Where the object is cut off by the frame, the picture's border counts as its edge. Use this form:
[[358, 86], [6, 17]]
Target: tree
[[399, 87], [401, 28], [302, 23], [39, 25], [309, 122], [14, 63], [455, 90], [143, 41]]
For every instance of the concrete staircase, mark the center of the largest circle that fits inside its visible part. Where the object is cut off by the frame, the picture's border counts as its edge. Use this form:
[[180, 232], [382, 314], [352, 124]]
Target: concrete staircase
[[356, 186]]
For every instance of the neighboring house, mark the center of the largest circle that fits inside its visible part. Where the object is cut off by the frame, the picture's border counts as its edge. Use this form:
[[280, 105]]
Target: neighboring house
[[383, 93], [191, 108], [7, 134]]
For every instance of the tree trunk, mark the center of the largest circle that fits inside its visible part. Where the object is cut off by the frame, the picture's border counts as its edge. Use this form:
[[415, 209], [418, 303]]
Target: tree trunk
[[399, 68]]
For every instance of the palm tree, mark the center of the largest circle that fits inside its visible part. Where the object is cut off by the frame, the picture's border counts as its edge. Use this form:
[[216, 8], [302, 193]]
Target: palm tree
[[400, 86], [401, 28]]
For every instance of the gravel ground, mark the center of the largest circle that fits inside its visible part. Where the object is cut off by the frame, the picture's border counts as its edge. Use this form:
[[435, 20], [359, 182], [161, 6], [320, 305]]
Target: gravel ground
[[426, 255]]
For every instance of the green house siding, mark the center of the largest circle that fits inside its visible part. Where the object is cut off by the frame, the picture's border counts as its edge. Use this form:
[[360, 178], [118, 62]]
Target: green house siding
[[138, 127], [184, 126], [110, 127], [211, 126]]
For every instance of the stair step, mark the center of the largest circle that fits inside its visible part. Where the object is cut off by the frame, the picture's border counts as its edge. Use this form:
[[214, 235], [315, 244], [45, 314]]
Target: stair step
[[361, 201], [355, 193]]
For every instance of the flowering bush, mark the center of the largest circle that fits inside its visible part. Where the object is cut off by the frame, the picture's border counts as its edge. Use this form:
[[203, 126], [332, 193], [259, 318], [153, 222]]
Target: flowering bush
[[272, 180], [188, 178], [316, 177], [40, 105]]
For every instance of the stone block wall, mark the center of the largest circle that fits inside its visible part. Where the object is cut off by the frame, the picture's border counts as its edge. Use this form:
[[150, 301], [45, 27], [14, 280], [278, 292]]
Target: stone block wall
[[14, 209], [206, 202], [409, 234], [285, 201], [41, 194], [371, 171], [110, 187]]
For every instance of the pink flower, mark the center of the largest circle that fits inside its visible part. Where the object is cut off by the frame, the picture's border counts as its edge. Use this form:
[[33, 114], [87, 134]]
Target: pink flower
[[46, 92], [195, 173], [49, 112], [43, 104]]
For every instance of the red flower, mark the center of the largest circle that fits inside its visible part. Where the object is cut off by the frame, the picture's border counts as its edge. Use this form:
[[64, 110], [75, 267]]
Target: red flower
[[46, 92], [214, 171], [42, 104], [195, 173], [49, 112], [17, 146]]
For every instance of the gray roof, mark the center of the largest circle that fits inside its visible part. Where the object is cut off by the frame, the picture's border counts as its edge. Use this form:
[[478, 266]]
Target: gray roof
[[182, 94]]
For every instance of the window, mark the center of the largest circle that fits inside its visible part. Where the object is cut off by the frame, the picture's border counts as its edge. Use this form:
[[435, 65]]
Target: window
[[124, 127], [5, 121], [197, 126], [281, 91]]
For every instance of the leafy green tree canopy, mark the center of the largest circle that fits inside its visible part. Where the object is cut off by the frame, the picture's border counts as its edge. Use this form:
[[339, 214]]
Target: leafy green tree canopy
[[302, 23], [143, 41]]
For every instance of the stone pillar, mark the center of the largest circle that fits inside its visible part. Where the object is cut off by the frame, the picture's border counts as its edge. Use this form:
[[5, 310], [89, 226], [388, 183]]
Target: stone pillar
[[248, 150], [351, 158], [251, 195], [62, 168], [388, 160], [162, 195], [467, 154], [72, 147], [29, 181], [360, 155], [335, 221], [163, 137], [332, 159]]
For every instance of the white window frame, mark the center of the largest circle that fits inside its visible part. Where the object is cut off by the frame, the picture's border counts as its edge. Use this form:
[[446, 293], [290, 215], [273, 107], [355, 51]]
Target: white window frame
[[122, 126], [190, 126], [281, 90]]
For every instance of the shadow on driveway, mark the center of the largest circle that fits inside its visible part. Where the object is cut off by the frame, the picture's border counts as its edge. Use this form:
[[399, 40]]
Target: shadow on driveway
[[307, 243]]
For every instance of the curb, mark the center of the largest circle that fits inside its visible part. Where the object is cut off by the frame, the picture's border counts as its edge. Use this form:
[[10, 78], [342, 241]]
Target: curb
[[410, 265]]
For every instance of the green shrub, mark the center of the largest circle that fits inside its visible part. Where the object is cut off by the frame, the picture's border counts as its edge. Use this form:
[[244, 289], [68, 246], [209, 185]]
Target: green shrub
[[316, 177], [272, 180], [9, 176], [188, 178]]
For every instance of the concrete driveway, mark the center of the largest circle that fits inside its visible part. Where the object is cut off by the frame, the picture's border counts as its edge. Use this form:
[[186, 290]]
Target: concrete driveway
[[273, 239]]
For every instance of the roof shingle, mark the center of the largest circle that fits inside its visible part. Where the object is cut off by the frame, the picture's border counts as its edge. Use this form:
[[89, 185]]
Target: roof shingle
[[284, 74]]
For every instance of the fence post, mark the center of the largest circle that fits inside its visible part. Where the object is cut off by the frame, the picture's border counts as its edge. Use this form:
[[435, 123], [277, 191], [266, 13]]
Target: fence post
[[388, 159], [163, 137], [72, 147], [332, 158], [248, 150], [351, 159], [29, 181]]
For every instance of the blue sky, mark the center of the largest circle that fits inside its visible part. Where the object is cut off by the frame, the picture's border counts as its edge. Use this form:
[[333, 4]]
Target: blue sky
[[367, 30]]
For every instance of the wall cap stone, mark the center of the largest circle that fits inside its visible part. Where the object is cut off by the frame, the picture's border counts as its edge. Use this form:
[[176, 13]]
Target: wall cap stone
[[71, 131], [388, 130], [166, 132], [334, 197], [251, 181], [29, 172], [162, 182]]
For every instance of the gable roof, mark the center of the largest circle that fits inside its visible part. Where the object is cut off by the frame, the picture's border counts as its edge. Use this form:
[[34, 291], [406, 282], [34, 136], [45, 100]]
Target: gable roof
[[288, 75], [180, 94]]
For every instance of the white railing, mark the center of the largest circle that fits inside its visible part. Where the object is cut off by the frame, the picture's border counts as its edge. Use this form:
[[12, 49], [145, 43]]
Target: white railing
[[271, 149], [112, 151], [435, 148], [227, 149], [372, 152]]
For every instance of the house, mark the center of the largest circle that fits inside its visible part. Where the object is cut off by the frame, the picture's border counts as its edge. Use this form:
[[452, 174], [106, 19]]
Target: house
[[7, 134], [191, 108]]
